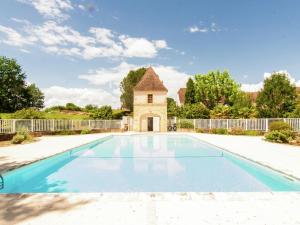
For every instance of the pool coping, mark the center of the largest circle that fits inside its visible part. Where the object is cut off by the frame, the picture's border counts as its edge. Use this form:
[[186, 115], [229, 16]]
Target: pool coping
[[288, 176]]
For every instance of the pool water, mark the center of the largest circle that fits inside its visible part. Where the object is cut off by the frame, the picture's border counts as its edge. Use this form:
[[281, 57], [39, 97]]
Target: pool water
[[146, 163]]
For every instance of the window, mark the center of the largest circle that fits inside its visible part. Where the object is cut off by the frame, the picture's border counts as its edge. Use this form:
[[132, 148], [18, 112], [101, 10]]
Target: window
[[150, 98]]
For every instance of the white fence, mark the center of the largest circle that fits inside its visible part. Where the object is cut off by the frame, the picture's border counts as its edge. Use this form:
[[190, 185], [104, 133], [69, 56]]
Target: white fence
[[245, 124], [12, 126]]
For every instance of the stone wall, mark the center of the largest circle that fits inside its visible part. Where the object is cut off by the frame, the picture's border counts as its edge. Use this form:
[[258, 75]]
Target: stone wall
[[142, 110]]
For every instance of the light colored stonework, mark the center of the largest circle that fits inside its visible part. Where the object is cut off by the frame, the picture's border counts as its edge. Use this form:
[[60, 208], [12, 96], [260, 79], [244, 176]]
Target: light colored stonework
[[142, 110], [150, 104]]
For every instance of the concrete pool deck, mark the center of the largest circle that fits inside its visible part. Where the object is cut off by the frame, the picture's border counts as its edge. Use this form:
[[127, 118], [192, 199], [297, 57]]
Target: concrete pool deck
[[271, 208]]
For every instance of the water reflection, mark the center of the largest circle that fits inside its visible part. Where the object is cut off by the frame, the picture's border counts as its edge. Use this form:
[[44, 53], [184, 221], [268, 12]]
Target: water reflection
[[140, 163]]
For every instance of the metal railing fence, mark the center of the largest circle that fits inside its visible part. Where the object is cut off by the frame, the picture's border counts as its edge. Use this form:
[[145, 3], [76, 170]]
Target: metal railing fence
[[260, 124], [37, 125]]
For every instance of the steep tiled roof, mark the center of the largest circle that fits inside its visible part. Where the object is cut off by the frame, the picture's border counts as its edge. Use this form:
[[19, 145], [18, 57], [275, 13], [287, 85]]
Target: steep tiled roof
[[150, 82], [181, 95]]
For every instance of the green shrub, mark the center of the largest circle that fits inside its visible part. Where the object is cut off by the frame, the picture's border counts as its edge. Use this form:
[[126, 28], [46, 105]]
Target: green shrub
[[65, 132], [23, 131], [279, 126], [102, 113], [236, 131], [72, 107], [18, 139], [252, 133], [30, 113], [21, 136], [218, 131], [199, 130], [283, 136], [85, 131], [193, 111], [186, 124]]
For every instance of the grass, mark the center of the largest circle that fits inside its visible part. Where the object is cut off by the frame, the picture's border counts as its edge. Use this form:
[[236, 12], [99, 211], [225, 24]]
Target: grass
[[59, 115], [67, 115]]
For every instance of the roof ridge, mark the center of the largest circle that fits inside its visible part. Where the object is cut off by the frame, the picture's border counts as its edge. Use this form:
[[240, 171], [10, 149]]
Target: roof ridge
[[150, 82]]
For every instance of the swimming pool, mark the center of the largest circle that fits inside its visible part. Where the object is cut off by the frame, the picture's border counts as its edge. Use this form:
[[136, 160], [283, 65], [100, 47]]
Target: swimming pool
[[145, 163]]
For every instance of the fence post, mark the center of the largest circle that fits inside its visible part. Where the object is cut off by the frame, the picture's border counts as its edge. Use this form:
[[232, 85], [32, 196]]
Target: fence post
[[267, 125], [210, 124], [14, 126], [227, 124], [194, 124], [53, 125], [72, 125], [32, 124], [246, 124], [89, 124]]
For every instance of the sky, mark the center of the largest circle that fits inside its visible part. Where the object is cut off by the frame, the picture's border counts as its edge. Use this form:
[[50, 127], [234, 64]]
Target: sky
[[79, 50]]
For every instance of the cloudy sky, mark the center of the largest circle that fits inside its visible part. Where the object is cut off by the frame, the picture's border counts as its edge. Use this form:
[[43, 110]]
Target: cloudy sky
[[79, 50]]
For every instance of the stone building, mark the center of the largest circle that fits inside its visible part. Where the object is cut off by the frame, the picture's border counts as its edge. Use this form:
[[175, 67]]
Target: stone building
[[150, 104]]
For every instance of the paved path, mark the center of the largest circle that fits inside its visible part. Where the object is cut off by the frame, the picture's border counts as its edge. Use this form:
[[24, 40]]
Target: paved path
[[281, 157], [151, 209], [154, 208]]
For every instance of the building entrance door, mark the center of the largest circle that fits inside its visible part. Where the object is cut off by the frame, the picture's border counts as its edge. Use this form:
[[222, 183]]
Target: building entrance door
[[150, 123]]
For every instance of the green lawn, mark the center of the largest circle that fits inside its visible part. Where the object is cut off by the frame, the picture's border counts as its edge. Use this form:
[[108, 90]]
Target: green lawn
[[67, 115]]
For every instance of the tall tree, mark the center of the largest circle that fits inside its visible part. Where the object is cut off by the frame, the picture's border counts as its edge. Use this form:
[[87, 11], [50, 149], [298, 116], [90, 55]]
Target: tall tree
[[214, 88], [127, 85], [190, 92], [12, 85], [36, 97], [171, 107], [15, 94], [277, 98]]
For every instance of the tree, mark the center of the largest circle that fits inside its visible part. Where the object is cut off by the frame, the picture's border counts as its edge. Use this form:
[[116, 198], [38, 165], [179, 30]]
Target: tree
[[90, 107], [214, 88], [104, 113], [193, 111], [277, 98], [35, 98], [72, 107], [127, 85], [190, 92], [221, 112], [171, 107], [14, 92], [243, 107]]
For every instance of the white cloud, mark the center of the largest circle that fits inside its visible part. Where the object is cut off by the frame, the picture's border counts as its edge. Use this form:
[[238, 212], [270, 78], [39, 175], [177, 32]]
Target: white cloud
[[141, 47], [195, 29], [212, 27], [111, 77], [57, 95], [161, 44], [64, 40], [258, 86], [82, 7], [252, 87], [51, 9], [13, 37]]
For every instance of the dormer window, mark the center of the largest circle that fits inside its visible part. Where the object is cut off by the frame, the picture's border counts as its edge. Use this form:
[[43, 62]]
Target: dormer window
[[150, 98]]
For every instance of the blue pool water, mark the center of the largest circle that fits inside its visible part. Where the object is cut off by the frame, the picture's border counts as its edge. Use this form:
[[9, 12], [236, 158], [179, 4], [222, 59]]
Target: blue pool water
[[145, 163]]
